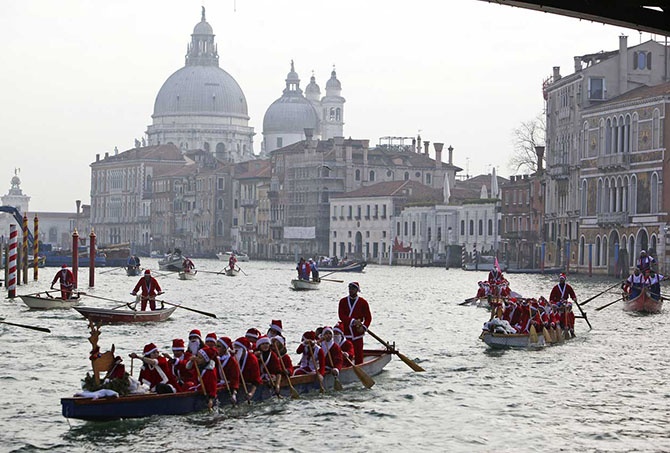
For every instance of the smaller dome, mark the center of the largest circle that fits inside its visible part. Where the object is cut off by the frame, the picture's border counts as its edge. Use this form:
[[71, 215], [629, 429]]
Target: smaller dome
[[203, 28], [16, 181], [312, 88], [290, 114], [292, 76], [333, 83]]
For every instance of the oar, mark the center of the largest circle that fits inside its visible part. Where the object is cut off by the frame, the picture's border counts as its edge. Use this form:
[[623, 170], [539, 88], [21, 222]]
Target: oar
[[212, 272], [240, 269], [233, 400], [211, 315], [584, 315], [611, 303], [111, 270], [40, 329], [271, 383], [330, 280], [316, 369], [600, 293], [104, 298], [410, 363], [364, 377], [469, 301], [210, 403], [294, 392], [244, 383], [338, 384], [37, 294]]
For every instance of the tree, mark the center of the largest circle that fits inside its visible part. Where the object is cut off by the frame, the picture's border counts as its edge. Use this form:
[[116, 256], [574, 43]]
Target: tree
[[524, 139]]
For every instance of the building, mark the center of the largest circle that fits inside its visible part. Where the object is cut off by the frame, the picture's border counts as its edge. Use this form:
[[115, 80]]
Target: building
[[201, 106], [597, 78]]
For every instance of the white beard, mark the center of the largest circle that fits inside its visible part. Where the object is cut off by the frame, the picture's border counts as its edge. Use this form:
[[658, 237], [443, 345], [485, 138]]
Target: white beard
[[194, 346]]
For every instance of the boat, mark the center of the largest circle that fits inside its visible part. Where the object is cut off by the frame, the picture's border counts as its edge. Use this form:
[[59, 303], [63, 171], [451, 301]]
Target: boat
[[304, 285], [110, 316], [45, 301], [183, 275], [232, 272], [350, 266], [643, 303], [225, 256], [150, 404], [116, 255], [133, 271], [60, 257], [172, 262], [532, 340]]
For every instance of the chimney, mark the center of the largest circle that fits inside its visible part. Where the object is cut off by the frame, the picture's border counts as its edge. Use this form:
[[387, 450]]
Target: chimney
[[97, 157], [557, 73], [106, 155], [539, 150], [578, 64], [451, 154], [623, 64], [309, 133], [426, 144], [438, 154], [413, 145]]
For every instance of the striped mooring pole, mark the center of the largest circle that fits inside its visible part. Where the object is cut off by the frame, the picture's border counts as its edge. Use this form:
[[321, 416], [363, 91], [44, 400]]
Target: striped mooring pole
[[463, 256], [13, 244], [36, 247]]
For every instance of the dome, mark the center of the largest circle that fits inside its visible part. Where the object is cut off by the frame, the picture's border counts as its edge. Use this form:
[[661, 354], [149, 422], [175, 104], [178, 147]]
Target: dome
[[313, 87], [333, 83], [203, 28], [290, 114], [203, 90], [16, 181]]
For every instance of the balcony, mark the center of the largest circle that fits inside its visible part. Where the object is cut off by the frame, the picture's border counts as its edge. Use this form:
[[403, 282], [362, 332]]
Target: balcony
[[248, 202], [618, 161], [248, 228], [559, 171], [613, 218]]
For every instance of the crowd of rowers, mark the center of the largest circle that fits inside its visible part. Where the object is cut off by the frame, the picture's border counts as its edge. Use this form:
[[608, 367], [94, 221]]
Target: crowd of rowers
[[248, 362], [516, 315], [643, 277]]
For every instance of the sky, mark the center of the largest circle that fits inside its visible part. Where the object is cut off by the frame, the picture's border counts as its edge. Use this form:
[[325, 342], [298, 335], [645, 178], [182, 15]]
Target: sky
[[80, 77]]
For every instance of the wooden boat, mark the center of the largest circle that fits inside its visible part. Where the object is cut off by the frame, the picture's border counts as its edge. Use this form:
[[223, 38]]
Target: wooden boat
[[132, 271], [225, 256], [232, 272], [187, 275], [304, 285], [173, 262], [109, 316], [146, 405], [45, 301], [524, 340], [643, 304], [351, 266]]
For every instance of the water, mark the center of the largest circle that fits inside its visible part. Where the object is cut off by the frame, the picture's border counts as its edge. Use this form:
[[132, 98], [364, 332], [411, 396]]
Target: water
[[604, 391]]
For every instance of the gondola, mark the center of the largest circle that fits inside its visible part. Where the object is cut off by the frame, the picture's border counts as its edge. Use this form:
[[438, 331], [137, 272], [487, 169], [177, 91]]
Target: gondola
[[111, 316], [643, 303]]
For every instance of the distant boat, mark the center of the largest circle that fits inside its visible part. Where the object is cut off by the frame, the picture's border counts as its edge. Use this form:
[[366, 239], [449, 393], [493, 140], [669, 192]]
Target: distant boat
[[111, 316], [45, 301], [60, 257], [183, 275], [173, 262], [225, 256], [304, 285]]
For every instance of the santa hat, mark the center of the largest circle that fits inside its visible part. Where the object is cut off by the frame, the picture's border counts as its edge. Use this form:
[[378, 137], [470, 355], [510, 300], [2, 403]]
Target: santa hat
[[562, 276], [210, 337], [148, 349], [309, 335], [225, 342], [276, 325], [178, 344], [280, 339], [327, 329], [355, 285], [147, 272], [64, 266], [262, 340], [207, 353], [243, 342], [195, 333], [253, 334], [339, 328]]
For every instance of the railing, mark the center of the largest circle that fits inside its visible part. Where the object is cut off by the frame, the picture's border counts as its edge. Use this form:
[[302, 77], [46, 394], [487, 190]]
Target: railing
[[613, 218], [248, 202], [620, 160], [558, 170]]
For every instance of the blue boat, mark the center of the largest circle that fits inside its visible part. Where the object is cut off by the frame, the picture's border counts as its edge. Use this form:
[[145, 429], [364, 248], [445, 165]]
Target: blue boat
[[146, 405]]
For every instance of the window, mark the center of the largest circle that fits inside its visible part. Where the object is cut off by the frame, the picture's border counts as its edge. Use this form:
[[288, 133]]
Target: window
[[406, 229], [358, 175], [462, 227], [596, 88], [406, 175], [641, 60], [280, 142], [429, 233], [413, 228], [490, 227], [429, 179], [372, 175], [472, 227], [480, 229]]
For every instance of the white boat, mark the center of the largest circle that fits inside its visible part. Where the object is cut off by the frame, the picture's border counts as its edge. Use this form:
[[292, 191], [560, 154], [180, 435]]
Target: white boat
[[187, 275], [45, 301], [304, 285], [532, 340], [225, 256], [232, 272], [173, 262]]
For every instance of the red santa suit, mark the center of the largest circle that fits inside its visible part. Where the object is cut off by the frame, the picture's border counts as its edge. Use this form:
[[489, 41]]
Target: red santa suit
[[229, 371], [249, 367], [150, 288], [346, 346], [352, 309], [208, 373], [154, 372], [561, 292], [309, 360], [333, 356], [66, 278]]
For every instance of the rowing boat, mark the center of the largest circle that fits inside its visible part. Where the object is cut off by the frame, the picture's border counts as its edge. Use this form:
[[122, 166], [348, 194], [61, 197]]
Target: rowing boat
[[525, 340], [643, 304], [304, 285], [149, 404], [232, 272], [45, 301], [110, 316], [352, 266], [187, 275], [132, 271]]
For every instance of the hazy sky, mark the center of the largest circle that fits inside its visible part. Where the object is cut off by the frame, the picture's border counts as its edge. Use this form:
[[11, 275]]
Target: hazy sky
[[80, 77]]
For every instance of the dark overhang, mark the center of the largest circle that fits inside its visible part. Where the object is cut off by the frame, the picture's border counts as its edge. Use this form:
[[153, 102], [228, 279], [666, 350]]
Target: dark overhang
[[652, 16]]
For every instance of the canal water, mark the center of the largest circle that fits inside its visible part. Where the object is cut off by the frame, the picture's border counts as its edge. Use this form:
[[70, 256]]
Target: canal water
[[606, 390]]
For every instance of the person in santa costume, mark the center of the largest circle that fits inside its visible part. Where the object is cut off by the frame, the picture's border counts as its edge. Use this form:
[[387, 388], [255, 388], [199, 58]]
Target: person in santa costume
[[250, 373], [354, 313], [210, 340], [154, 372], [66, 278], [279, 347], [150, 289], [562, 291], [270, 366], [229, 369], [275, 329], [195, 342], [331, 352], [185, 378], [345, 345], [312, 360], [187, 265], [252, 335], [205, 362]]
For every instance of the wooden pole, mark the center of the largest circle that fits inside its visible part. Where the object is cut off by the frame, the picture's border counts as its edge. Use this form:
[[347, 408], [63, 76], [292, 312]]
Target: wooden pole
[[36, 247], [13, 243], [75, 258], [91, 262], [24, 249]]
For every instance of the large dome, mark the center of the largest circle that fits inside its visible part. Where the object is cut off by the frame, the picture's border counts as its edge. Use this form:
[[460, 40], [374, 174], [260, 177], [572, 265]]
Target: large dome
[[201, 90], [290, 114]]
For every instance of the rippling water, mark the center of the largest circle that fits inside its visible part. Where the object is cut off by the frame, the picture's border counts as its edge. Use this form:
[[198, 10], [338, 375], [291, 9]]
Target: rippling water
[[604, 391]]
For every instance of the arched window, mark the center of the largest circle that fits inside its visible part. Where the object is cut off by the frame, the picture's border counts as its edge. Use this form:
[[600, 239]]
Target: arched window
[[605, 251], [598, 251], [633, 195], [608, 136], [413, 228], [331, 115], [584, 198], [219, 227], [601, 138], [406, 176], [634, 134], [357, 176], [472, 227], [219, 204], [462, 227], [480, 229], [490, 227], [631, 250], [581, 251], [429, 179], [372, 175], [206, 146], [655, 129], [654, 193], [338, 114]]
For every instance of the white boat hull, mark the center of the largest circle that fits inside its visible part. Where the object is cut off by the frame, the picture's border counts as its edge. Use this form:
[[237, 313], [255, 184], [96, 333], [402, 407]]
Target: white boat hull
[[304, 285], [187, 275], [225, 256], [39, 302]]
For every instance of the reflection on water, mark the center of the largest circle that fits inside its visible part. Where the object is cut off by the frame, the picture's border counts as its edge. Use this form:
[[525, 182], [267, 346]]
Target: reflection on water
[[605, 390]]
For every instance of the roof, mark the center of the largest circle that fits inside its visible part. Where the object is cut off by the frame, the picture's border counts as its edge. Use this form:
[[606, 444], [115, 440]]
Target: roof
[[412, 190], [254, 169], [644, 92], [164, 152]]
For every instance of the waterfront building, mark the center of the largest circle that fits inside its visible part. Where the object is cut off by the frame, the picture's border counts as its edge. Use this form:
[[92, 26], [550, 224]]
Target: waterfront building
[[251, 218]]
